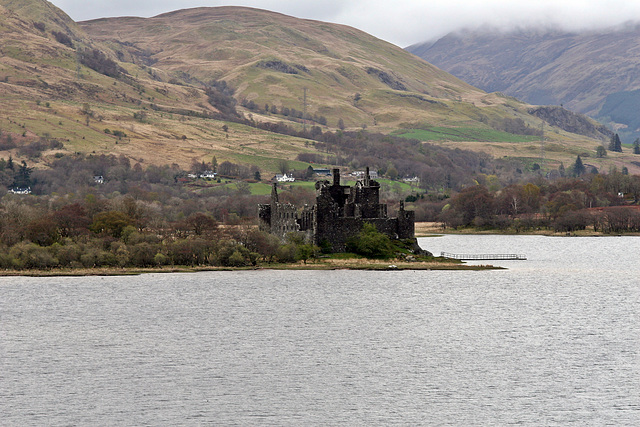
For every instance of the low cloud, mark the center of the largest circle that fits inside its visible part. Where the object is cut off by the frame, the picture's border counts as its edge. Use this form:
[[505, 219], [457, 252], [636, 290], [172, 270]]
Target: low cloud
[[399, 22]]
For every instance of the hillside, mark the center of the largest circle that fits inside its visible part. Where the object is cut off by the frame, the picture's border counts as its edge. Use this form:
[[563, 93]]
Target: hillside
[[192, 84], [591, 72], [271, 58]]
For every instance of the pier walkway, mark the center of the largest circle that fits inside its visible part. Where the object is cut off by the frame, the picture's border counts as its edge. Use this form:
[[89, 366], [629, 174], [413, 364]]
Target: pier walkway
[[483, 257]]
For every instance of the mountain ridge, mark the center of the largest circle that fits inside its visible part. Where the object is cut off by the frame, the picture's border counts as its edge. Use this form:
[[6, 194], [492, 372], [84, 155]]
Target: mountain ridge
[[176, 73], [578, 69]]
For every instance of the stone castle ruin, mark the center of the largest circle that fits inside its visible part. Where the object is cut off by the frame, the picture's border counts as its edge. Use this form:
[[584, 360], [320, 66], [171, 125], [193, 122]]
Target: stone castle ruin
[[339, 213]]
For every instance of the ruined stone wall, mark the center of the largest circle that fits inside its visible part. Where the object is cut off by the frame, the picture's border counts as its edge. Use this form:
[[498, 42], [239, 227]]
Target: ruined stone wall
[[368, 199], [388, 226], [336, 233], [406, 224], [339, 214], [307, 219], [284, 220], [264, 217]]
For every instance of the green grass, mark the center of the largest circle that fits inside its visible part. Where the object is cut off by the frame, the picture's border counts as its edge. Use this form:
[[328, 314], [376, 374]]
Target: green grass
[[259, 188], [437, 133], [264, 188], [401, 186]]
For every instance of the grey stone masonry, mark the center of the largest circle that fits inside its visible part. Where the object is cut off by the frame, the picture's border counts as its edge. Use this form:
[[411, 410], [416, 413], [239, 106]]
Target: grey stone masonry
[[339, 213]]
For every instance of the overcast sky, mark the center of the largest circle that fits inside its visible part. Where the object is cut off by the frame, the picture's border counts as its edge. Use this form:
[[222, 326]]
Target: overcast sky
[[402, 22]]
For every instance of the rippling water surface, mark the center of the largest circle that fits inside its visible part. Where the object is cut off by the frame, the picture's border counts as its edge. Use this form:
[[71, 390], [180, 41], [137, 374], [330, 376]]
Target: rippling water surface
[[554, 340]]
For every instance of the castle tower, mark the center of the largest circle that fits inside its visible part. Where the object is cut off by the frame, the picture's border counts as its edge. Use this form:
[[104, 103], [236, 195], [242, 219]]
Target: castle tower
[[336, 177]]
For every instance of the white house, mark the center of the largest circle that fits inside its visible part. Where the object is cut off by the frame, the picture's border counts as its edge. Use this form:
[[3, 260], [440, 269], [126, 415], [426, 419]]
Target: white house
[[285, 178], [208, 175], [361, 174], [20, 190]]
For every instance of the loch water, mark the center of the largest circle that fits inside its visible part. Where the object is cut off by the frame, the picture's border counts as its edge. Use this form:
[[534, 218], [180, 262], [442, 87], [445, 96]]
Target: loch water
[[553, 340]]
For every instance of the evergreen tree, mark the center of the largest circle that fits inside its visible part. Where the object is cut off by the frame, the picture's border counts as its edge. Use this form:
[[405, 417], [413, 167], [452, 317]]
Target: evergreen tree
[[618, 144], [615, 144], [578, 167], [636, 146], [23, 177]]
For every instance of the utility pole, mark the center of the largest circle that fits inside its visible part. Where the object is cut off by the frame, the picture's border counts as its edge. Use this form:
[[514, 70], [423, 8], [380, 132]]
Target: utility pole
[[542, 147], [304, 111], [78, 67]]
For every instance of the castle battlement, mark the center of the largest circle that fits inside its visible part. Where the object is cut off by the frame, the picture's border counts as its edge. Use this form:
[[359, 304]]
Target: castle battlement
[[339, 213]]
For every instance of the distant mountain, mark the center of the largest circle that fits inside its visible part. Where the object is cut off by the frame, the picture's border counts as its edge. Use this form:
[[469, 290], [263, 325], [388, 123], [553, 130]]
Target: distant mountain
[[187, 85], [592, 72]]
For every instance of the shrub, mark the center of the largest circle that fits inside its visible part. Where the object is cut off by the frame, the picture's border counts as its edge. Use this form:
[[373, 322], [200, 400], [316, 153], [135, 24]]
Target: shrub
[[265, 244], [62, 38], [67, 254], [6, 261], [89, 258], [287, 253], [307, 251], [235, 255], [112, 223], [43, 231], [189, 252], [143, 255], [98, 61], [236, 260], [30, 255], [371, 243], [160, 259]]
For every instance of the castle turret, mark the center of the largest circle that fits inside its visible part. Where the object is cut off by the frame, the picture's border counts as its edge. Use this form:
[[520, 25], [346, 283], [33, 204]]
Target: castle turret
[[336, 177]]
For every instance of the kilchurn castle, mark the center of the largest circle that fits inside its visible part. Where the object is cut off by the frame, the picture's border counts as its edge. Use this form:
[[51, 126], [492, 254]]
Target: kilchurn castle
[[339, 213]]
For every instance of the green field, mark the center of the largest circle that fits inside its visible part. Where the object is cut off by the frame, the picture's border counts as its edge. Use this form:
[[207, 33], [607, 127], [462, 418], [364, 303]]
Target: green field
[[437, 133], [264, 188]]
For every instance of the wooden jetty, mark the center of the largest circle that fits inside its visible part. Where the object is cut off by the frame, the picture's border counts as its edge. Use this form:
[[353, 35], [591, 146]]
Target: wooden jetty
[[483, 257]]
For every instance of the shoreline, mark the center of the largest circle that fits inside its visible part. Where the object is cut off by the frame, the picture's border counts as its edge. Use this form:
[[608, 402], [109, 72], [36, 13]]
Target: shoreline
[[434, 229], [323, 265]]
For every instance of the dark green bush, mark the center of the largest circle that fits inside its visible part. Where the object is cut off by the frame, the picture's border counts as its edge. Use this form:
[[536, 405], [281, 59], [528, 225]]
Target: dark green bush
[[371, 243]]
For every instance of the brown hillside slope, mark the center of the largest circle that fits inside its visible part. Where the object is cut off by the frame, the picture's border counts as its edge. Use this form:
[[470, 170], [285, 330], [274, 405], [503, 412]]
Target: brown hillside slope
[[164, 65], [271, 58]]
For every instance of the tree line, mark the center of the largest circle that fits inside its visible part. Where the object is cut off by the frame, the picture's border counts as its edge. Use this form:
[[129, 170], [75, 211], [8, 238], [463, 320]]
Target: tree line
[[139, 217], [605, 202]]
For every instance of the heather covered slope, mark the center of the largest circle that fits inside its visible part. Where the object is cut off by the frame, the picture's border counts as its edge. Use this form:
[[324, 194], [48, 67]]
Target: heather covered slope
[[345, 75], [189, 85], [270, 58]]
